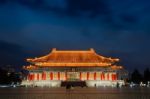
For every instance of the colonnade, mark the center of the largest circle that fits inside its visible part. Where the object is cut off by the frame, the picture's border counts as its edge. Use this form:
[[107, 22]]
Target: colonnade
[[35, 76]]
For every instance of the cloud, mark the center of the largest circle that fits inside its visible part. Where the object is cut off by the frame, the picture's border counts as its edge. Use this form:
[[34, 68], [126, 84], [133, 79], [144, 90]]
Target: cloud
[[87, 7], [129, 18], [116, 27]]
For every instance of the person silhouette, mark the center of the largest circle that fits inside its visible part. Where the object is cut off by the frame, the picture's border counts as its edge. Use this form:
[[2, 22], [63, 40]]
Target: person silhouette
[[117, 85], [68, 86]]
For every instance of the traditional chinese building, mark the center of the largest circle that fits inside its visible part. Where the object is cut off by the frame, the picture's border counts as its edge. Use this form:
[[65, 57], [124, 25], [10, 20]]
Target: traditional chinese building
[[66, 65]]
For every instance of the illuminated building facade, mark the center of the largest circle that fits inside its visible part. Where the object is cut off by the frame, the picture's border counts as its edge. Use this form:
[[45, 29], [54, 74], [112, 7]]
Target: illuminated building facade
[[67, 65]]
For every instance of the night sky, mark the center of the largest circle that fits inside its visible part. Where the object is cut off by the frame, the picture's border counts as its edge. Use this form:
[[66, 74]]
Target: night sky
[[114, 28]]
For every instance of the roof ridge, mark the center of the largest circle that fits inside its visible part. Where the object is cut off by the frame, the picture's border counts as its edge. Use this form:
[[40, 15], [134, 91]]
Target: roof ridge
[[73, 51]]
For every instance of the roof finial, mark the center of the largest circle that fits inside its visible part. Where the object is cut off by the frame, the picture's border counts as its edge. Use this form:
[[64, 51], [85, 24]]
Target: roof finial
[[54, 49], [92, 50]]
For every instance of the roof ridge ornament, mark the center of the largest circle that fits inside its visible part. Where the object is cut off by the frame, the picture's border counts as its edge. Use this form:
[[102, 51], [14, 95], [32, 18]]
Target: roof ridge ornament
[[53, 49], [92, 50]]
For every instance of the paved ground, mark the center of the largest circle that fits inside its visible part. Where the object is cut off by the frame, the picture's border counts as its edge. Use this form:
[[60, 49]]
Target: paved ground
[[76, 93]]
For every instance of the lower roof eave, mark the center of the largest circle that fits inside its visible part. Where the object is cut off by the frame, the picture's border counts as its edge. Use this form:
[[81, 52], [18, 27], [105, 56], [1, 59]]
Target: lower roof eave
[[73, 64]]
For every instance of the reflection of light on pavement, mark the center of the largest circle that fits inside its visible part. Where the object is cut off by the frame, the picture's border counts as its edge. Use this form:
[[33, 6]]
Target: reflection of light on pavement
[[76, 93]]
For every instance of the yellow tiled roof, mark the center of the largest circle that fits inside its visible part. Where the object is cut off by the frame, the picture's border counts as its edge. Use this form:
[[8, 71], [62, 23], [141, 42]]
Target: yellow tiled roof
[[72, 58]]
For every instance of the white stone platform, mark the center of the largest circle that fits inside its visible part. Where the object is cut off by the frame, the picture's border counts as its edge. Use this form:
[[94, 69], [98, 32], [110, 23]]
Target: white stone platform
[[57, 83], [99, 83], [42, 83]]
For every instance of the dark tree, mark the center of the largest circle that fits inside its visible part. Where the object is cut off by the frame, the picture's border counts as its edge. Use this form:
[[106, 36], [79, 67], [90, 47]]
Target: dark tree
[[136, 77], [3, 76], [7, 77], [146, 75]]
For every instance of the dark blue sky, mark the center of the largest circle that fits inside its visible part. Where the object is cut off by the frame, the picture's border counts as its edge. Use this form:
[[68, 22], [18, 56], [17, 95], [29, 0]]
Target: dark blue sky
[[115, 28]]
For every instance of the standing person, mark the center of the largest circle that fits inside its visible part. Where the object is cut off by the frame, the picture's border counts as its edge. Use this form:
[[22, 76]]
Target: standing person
[[117, 85], [68, 86]]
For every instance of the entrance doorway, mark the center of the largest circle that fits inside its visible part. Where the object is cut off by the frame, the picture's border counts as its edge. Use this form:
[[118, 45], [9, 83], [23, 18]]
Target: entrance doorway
[[73, 83], [73, 76]]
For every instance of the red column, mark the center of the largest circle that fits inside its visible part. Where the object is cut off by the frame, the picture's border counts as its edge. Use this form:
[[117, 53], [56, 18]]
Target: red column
[[58, 75], [115, 76], [95, 76], [38, 76], [32, 76], [51, 75], [43, 76], [80, 75], [103, 76], [108, 76], [112, 77], [87, 75]]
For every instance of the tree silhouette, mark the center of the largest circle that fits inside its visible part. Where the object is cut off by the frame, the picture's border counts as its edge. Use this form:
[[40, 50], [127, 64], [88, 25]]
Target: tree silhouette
[[3, 76], [136, 77], [7, 77], [146, 75]]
